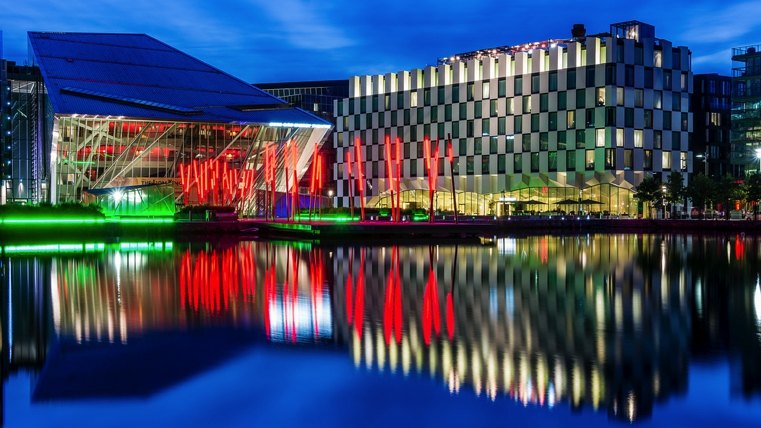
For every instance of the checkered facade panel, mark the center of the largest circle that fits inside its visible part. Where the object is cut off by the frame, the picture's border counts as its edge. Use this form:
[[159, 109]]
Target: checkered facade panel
[[611, 106]]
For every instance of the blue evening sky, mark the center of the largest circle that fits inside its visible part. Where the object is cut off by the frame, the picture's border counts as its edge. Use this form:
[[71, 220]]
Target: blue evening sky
[[288, 40]]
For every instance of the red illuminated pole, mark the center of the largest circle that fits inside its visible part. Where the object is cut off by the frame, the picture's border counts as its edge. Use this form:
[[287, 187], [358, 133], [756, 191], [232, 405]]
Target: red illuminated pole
[[398, 179], [360, 177], [450, 155], [390, 176], [295, 201], [351, 178]]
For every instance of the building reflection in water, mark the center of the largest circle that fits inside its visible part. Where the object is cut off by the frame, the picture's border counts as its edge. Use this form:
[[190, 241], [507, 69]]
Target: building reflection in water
[[604, 321]]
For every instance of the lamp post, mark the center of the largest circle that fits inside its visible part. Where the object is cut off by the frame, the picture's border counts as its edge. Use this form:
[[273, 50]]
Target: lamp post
[[758, 156], [663, 200], [330, 198]]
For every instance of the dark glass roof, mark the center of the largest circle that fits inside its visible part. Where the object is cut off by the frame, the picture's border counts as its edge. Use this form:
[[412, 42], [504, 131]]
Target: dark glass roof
[[135, 75]]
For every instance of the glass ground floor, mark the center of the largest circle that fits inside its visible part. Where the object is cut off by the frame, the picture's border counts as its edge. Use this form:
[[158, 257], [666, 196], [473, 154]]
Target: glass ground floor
[[605, 199]]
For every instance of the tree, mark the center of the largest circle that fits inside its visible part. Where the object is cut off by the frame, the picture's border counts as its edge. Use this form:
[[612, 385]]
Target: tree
[[726, 191], [674, 190], [753, 191], [649, 192], [700, 191]]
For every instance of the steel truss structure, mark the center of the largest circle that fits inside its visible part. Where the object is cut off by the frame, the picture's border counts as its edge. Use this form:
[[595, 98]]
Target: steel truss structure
[[206, 163]]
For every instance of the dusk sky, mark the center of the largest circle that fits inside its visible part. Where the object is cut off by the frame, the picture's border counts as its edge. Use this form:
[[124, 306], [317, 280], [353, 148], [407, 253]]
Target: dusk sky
[[288, 40]]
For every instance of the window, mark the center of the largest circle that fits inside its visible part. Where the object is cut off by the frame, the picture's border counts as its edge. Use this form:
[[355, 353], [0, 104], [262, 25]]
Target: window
[[501, 126], [448, 112], [485, 127], [657, 58], [420, 115], [571, 79], [658, 99], [638, 138], [610, 158], [619, 96], [407, 116], [477, 109], [455, 93], [639, 55], [667, 120], [526, 143], [590, 77], [657, 139], [552, 121], [580, 139], [440, 131], [667, 80], [501, 87], [610, 74], [477, 146], [628, 159], [589, 160], [561, 140], [629, 75], [639, 98], [600, 96], [534, 162], [649, 78], [427, 96], [648, 118], [527, 104], [493, 145], [534, 83], [648, 161], [413, 167], [534, 123], [562, 97], [501, 164], [469, 92], [676, 101], [683, 81], [493, 111], [619, 137], [683, 161], [510, 105], [413, 99], [485, 164], [552, 161], [553, 80], [510, 143], [600, 137], [610, 116], [440, 96], [676, 141], [413, 137], [629, 117], [666, 160], [485, 90], [463, 149], [463, 111], [570, 161], [570, 119], [518, 85], [544, 141], [455, 129], [419, 149], [589, 117], [400, 100], [469, 165], [363, 105], [518, 163], [581, 100], [394, 115], [543, 102], [518, 124], [469, 129]]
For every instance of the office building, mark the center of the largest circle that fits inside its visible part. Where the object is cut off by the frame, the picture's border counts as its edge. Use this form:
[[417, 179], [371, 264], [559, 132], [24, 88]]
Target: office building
[[711, 107], [746, 109]]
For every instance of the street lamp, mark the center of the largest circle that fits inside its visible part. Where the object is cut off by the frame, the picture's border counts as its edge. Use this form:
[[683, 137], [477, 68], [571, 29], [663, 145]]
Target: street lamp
[[663, 200], [330, 198]]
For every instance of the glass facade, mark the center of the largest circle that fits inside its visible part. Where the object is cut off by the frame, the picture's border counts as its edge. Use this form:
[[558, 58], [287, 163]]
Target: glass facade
[[203, 163]]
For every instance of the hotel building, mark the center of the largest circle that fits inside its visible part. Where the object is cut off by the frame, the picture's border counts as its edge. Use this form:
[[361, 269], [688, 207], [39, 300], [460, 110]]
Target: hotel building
[[537, 126]]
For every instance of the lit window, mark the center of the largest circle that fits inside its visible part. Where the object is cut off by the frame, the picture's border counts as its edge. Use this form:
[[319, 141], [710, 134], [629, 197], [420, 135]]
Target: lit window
[[619, 137], [485, 90], [413, 99], [600, 137], [666, 157], [637, 138]]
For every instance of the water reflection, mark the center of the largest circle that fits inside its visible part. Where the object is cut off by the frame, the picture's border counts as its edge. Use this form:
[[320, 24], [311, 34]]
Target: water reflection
[[603, 321]]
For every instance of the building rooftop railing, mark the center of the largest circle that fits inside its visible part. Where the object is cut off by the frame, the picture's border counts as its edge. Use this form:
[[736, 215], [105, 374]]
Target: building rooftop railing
[[746, 51]]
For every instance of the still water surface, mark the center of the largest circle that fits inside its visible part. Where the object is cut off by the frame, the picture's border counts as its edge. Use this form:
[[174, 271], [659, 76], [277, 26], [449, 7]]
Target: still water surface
[[576, 330]]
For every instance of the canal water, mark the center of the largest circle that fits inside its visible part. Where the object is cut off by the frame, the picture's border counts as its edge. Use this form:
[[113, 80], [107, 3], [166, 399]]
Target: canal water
[[593, 330]]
